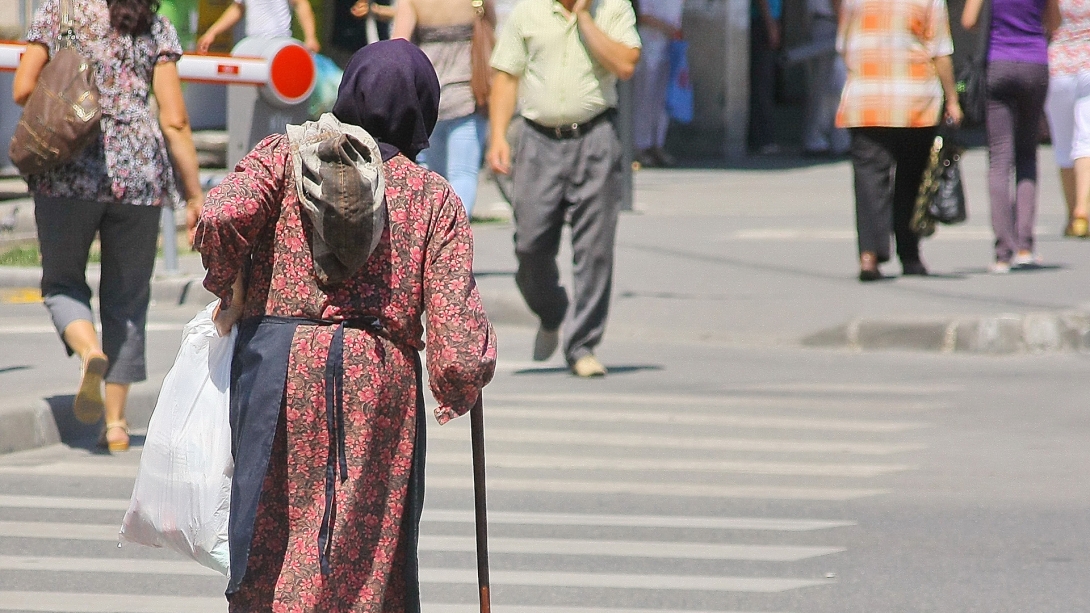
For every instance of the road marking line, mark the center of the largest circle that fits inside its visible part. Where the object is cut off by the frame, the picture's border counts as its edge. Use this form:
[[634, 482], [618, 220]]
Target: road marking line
[[696, 419], [765, 585], [695, 490], [77, 602], [105, 565], [637, 521], [59, 530], [60, 502], [499, 517], [747, 397], [20, 295], [72, 602], [628, 549], [621, 439], [75, 469], [503, 460], [46, 329], [473, 608], [574, 547]]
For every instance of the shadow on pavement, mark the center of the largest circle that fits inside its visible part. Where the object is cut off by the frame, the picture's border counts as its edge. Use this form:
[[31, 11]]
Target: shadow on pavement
[[613, 370], [73, 432]]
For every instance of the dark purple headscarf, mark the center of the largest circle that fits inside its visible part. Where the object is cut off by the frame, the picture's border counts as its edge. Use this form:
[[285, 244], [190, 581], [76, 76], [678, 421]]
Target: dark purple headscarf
[[390, 89]]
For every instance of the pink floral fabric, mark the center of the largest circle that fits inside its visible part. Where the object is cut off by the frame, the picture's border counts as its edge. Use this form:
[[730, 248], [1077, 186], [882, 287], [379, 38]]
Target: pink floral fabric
[[1069, 49], [129, 162], [422, 268]]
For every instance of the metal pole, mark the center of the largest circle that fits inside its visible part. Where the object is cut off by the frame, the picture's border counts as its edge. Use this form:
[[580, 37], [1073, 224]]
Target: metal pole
[[736, 78], [476, 426], [625, 120], [170, 241]]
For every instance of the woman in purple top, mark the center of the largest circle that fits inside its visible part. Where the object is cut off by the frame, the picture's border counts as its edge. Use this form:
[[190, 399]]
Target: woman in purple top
[[1016, 87]]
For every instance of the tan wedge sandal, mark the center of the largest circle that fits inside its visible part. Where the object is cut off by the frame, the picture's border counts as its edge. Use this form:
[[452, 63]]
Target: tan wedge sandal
[[115, 446], [88, 406]]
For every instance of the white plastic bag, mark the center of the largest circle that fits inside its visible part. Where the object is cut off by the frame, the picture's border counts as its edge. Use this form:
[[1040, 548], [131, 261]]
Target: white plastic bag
[[182, 496]]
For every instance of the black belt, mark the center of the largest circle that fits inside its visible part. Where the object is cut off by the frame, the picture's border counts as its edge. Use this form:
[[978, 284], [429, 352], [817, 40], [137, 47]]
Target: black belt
[[573, 130]]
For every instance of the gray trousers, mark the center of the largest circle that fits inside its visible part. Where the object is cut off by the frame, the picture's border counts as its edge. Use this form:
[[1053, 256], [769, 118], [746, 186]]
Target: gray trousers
[[581, 178], [128, 235]]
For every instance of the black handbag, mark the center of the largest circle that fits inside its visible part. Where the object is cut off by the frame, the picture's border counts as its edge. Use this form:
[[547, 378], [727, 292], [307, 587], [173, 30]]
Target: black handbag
[[941, 198], [972, 78]]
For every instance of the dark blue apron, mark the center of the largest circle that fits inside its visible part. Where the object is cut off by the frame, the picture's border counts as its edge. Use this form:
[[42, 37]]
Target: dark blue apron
[[258, 376]]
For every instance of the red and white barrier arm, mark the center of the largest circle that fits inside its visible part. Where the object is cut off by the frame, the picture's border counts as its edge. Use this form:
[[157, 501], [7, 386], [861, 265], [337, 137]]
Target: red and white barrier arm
[[283, 66]]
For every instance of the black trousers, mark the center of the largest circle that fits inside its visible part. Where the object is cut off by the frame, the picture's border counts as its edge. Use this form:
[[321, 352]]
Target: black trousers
[[888, 165]]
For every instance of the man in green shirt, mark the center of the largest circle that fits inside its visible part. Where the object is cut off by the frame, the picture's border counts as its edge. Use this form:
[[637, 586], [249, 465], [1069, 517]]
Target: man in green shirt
[[567, 56]]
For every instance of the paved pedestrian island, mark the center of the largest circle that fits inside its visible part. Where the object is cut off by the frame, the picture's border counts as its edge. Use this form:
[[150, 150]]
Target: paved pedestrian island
[[577, 481]]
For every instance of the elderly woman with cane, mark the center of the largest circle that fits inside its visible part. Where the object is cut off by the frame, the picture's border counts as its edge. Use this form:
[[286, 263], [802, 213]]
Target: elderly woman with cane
[[330, 247]]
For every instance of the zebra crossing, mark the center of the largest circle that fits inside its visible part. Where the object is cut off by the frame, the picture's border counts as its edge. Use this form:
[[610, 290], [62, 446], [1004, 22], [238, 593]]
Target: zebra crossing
[[583, 491]]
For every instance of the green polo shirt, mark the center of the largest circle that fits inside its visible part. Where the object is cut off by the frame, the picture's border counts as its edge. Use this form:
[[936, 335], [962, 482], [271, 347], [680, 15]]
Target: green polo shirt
[[560, 81]]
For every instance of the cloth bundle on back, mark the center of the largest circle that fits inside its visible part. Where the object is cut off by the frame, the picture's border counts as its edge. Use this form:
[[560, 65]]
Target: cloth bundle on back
[[327, 411]]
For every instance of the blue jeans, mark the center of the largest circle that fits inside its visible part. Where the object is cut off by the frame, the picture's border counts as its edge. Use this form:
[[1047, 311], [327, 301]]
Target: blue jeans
[[456, 153]]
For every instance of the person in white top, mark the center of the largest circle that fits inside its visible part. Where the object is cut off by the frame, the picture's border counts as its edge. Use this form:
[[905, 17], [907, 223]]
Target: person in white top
[[264, 19], [659, 23]]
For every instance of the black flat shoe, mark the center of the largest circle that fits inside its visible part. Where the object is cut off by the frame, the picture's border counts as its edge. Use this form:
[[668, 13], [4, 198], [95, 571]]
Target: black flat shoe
[[914, 269], [870, 275]]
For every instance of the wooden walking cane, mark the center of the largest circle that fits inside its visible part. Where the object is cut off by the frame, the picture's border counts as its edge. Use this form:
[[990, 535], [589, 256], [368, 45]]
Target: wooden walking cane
[[476, 426]]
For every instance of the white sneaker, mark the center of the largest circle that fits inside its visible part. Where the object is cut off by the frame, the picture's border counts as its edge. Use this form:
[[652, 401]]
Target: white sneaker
[[588, 366], [1025, 259], [999, 268]]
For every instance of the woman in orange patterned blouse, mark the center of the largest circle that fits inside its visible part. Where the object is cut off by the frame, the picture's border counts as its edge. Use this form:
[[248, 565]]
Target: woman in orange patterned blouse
[[899, 72]]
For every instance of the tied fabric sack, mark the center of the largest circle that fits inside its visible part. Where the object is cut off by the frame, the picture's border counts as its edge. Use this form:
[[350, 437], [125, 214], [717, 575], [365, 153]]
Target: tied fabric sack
[[62, 114], [941, 197], [182, 496], [679, 93]]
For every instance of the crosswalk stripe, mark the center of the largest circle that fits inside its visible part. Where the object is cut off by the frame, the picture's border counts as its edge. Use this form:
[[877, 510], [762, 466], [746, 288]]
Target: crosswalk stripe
[[105, 565], [638, 521], [74, 602], [58, 530], [615, 439], [77, 602], [619, 581], [46, 329], [699, 419], [503, 460], [696, 490], [61, 502], [438, 575], [501, 517], [749, 396], [574, 547], [474, 608], [74, 469], [628, 549]]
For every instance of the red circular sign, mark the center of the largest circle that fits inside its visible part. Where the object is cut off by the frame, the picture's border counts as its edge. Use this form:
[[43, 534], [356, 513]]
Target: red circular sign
[[292, 73]]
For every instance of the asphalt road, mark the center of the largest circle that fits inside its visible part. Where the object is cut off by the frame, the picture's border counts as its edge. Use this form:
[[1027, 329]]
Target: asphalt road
[[720, 468]]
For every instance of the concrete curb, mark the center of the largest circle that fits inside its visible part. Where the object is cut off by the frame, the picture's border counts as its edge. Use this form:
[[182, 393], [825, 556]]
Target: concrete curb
[[27, 423], [996, 335]]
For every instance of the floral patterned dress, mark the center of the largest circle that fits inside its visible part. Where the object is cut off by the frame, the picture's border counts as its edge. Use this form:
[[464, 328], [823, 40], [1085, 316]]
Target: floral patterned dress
[[421, 268], [128, 163]]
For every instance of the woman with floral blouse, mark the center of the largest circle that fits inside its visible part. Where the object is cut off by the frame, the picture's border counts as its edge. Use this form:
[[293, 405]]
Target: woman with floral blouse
[[331, 247], [114, 188]]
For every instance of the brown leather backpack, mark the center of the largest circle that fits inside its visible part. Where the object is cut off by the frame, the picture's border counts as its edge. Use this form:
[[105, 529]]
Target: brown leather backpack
[[62, 115]]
